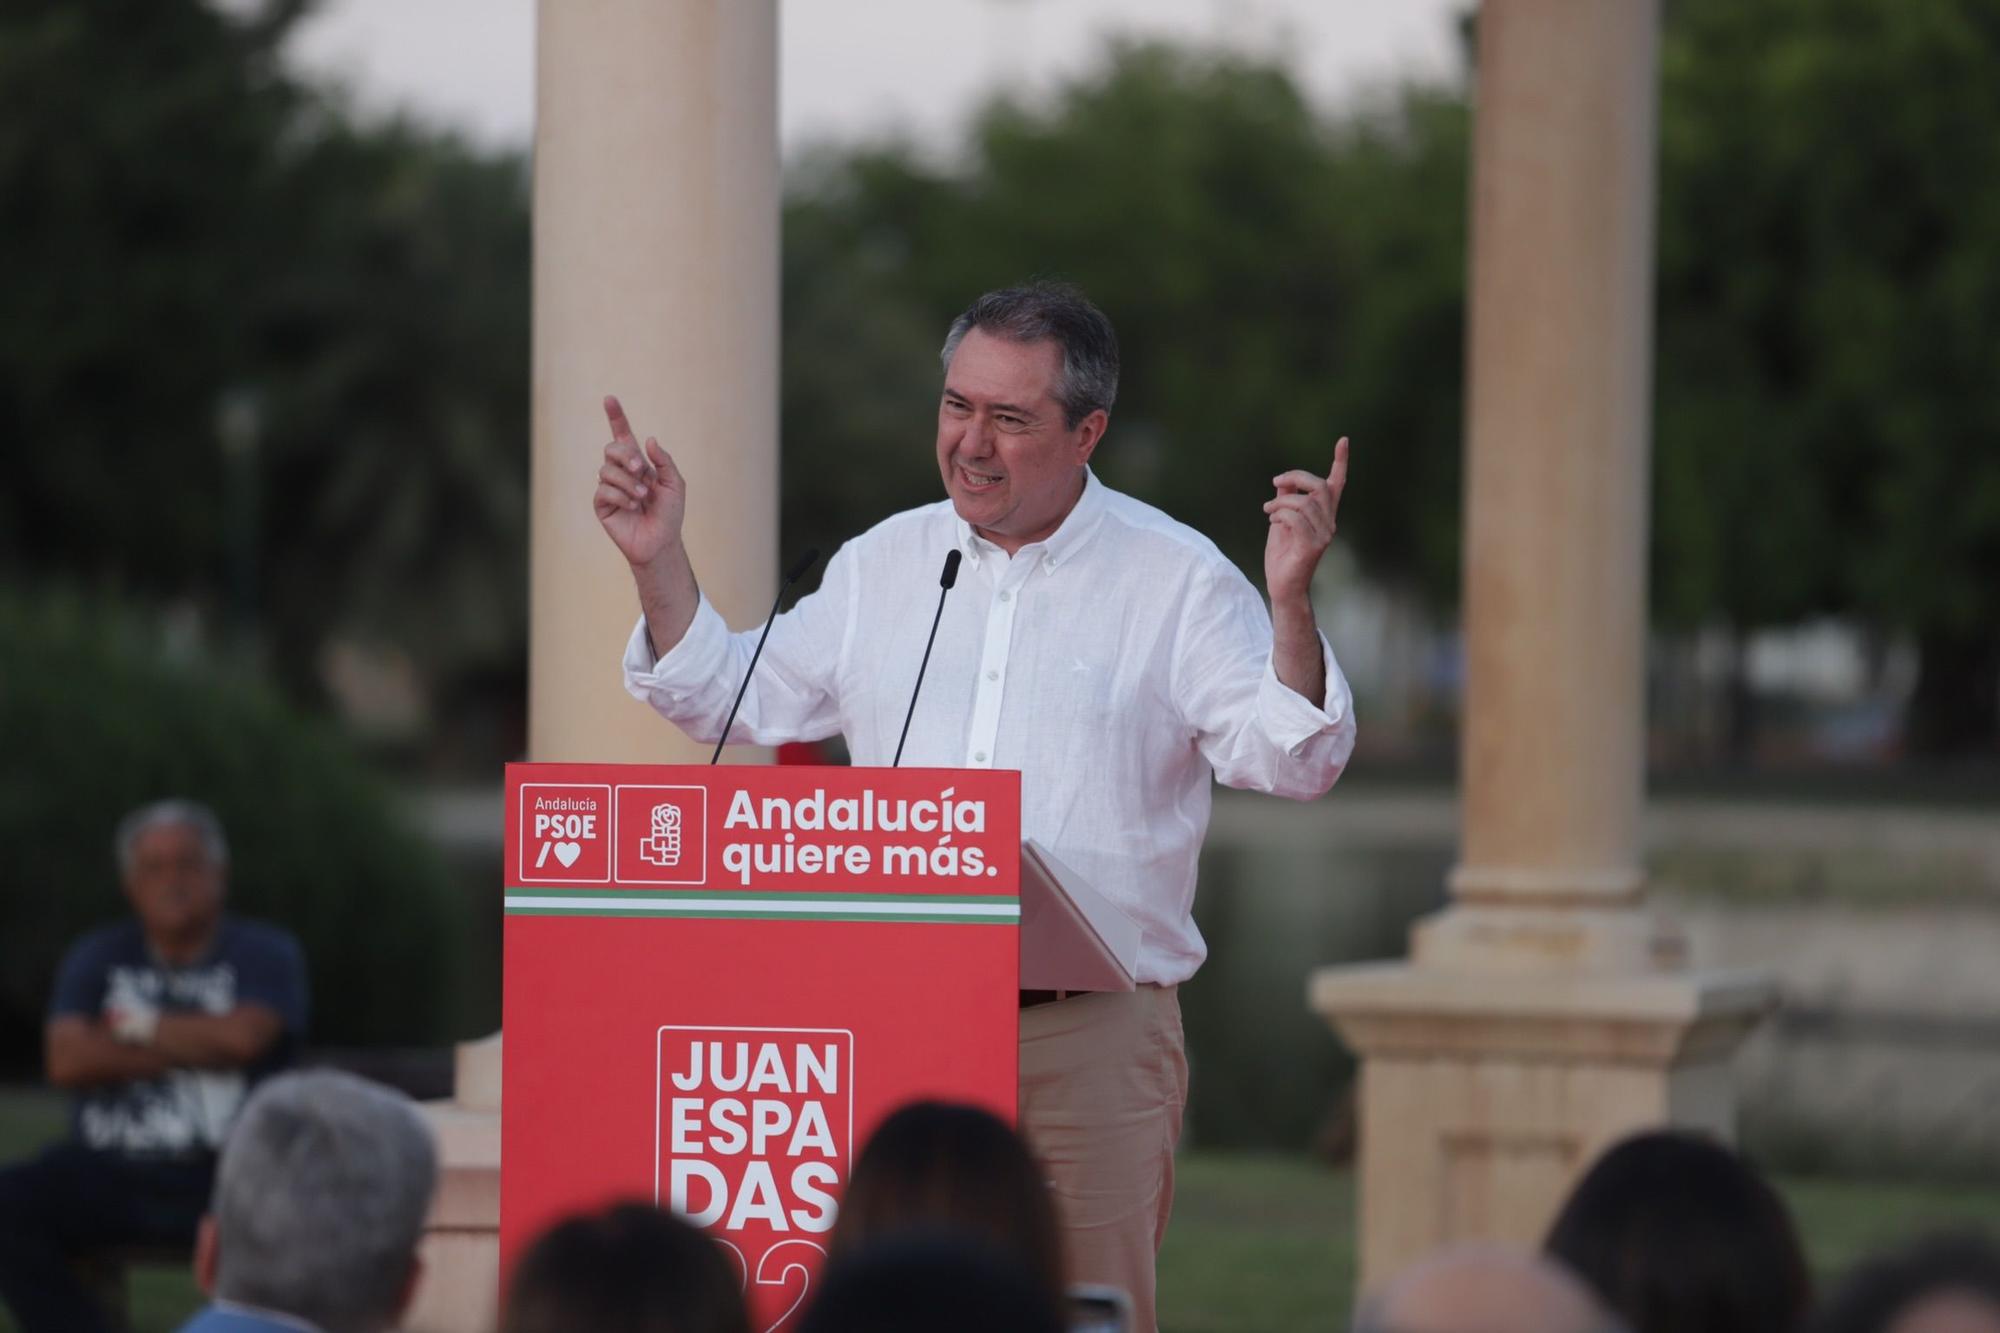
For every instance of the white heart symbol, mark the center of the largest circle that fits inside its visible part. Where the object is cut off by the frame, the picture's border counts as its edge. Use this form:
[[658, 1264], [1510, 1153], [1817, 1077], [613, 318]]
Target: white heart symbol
[[567, 852]]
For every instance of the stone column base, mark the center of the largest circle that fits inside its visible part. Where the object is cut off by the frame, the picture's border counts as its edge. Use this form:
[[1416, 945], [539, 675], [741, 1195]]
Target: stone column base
[[1482, 1098], [459, 1290]]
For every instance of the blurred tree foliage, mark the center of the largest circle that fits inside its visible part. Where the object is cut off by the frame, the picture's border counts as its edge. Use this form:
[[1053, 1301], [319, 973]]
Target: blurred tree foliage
[[1829, 355], [256, 356]]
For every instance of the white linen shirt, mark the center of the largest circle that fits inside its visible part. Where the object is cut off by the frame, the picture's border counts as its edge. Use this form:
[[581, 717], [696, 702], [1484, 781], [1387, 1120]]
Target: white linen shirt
[[1118, 665]]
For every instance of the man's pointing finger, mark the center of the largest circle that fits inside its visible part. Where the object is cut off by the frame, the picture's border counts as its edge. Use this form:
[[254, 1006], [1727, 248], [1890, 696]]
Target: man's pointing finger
[[614, 412]]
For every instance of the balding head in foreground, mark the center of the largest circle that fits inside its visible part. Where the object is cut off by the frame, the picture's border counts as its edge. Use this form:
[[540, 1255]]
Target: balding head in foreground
[[1484, 1289]]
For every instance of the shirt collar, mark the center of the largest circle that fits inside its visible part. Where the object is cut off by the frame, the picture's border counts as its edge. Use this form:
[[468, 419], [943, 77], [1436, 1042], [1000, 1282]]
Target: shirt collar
[[1058, 546], [278, 1317]]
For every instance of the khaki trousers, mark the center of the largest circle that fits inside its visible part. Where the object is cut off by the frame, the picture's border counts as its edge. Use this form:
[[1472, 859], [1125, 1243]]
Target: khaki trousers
[[1103, 1084]]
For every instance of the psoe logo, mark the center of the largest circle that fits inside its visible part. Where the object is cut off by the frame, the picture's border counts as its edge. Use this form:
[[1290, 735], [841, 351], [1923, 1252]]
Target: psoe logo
[[662, 835], [663, 846]]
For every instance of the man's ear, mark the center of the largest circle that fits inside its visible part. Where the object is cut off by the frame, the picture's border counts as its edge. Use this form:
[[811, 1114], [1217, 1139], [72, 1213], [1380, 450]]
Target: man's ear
[[206, 1256], [1089, 431]]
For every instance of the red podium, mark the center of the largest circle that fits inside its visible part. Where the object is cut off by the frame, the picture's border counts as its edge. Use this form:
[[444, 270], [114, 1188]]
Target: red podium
[[718, 981]]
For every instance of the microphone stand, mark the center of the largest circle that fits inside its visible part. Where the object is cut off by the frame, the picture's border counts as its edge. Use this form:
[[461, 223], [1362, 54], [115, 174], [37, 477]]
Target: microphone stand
[[945, 580], [798, 569]]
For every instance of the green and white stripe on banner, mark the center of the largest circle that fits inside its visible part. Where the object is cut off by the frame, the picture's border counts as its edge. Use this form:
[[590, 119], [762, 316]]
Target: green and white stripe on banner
[[768, 905]]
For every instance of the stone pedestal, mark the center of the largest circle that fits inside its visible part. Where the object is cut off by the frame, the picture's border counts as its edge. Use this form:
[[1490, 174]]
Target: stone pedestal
[[1483, 1097], [461, 1249]]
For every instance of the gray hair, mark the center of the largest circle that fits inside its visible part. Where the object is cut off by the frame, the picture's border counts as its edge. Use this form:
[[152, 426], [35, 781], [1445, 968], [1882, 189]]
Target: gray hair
[[1056, 312], [184, 814], [320, 1199]]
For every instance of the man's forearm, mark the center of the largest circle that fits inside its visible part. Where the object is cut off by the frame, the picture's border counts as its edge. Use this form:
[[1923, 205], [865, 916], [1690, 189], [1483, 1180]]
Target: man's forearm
[[1295, 649], [668, 596], [81, 1054], [216, 1041]]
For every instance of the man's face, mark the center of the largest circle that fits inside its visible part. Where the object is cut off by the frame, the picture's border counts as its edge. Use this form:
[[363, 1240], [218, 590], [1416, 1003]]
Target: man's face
[[1011, 465], [173, 884]]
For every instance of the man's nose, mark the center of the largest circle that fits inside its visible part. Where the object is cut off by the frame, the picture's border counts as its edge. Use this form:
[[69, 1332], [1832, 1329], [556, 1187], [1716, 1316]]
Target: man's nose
[[978, 437]]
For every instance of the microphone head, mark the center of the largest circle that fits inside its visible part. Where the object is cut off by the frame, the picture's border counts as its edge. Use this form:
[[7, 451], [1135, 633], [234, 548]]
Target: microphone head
[[950, 575], [802, 564]]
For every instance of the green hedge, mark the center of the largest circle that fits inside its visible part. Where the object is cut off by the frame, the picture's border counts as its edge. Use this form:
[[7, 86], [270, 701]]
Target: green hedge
[[98, 716]]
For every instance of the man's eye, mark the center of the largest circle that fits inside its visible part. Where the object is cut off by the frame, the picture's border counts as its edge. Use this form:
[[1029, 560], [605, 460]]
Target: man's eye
[[1011, 423]]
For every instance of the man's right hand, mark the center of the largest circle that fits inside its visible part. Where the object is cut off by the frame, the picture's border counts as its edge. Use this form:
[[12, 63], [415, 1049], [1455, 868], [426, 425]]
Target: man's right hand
[[641, 496]]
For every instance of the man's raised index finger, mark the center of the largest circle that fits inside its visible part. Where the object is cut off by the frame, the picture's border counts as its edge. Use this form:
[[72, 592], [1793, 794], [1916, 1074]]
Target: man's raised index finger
[[614, 411]]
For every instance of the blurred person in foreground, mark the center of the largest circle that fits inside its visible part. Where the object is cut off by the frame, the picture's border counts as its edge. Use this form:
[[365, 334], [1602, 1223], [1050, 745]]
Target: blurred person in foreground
[[913, 1284], [938, 1167], [1484, 1289], [1111, 655], [1678, 1234], [629, 1269], [1947, 1283], [319, 1205], [160, 1025]]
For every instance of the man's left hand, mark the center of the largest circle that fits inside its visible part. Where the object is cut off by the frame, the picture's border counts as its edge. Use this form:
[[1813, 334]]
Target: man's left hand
[[1302, 526]]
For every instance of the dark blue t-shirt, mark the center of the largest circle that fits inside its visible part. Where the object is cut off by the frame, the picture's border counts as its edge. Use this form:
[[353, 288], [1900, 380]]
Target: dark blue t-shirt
[[186, 1112]]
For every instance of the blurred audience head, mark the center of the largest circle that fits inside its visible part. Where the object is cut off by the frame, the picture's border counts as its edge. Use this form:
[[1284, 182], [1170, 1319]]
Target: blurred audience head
[[629, 1269], [1484, 1289], [1943, 1284], [924, 1284], [320, 1200], [939, 1167], [1678, 1234]]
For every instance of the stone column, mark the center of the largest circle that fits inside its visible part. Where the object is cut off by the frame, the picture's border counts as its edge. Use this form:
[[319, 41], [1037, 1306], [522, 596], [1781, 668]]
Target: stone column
[[656, 278], [1556, 483], [1545, 1012], [656, 212]]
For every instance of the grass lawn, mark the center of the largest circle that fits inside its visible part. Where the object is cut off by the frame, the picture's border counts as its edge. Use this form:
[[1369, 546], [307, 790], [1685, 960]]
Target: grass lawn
[[1266, 1244], [1260, 1244]]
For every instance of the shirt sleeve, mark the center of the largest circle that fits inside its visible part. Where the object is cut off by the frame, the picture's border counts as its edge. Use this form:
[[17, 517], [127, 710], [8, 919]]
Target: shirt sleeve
[[271, 971], [1256, 731], [795, 694], [79, 988]]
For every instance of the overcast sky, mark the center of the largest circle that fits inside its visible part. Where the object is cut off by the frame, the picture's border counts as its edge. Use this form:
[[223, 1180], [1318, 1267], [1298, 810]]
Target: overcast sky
[[849, 67]]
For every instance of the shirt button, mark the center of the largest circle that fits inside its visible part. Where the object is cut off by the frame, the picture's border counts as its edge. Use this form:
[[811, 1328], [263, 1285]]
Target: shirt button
[[979, 756], [1006, 596], [992, 675]]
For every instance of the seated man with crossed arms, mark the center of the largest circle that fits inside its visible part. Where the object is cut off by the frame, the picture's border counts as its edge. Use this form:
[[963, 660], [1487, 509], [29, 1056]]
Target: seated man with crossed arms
[[159, 1026]]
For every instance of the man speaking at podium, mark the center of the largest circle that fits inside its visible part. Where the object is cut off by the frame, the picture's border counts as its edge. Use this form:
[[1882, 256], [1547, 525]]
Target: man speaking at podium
[[1110, 654]]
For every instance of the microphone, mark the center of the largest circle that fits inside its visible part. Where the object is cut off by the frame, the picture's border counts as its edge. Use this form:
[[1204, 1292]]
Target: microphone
[[792, 575], [945, 580]]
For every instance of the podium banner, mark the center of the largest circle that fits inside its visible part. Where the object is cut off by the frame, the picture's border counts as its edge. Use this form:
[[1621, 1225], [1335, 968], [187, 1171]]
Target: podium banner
[[718, 981]]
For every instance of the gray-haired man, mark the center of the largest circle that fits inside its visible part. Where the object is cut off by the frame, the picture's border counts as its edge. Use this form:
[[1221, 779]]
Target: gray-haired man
[[159, 1026], [319, 1204]]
